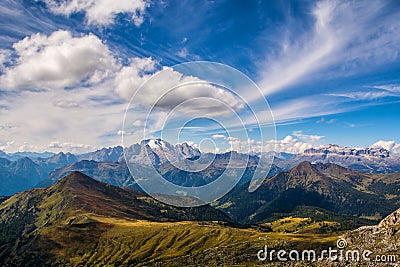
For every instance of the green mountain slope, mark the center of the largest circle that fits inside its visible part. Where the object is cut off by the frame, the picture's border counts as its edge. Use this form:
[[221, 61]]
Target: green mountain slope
[[325, 186], [38, 218]]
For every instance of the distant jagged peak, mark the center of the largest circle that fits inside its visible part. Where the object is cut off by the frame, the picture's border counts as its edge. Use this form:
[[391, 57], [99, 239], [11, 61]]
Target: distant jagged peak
[[347, 151], [62, 157], [110, 154], [160, 151]]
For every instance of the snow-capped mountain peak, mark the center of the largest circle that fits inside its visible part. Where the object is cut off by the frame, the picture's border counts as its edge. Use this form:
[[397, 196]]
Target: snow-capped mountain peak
[[156, 143], [160, 152], [346, 151], [377, 160]]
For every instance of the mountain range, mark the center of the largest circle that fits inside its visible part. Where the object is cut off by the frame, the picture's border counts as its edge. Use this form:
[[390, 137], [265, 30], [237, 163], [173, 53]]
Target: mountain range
[[18, 155], [368, 160], [26, 173], [336, 190], [21, 173], [322, 186], [108, 165], [117, 173]]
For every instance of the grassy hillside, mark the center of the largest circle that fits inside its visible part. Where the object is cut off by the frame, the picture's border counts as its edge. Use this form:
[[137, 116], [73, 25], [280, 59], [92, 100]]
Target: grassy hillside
[[80, 221], [99, 241]]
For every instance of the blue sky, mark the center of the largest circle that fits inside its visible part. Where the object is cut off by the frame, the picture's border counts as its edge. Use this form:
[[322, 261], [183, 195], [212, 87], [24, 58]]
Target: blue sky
[[328, 69]]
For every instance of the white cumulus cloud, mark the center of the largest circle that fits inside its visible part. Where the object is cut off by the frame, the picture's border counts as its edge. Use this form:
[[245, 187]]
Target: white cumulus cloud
[[389, 145], [218, 136], [58, 61], [289, 144], [309, 138], [57, 146], [167, 89], [129, 78]]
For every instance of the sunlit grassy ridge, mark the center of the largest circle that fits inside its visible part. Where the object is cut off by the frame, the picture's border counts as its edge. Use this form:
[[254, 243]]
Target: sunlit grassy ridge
[[142, 243], [304, 225]]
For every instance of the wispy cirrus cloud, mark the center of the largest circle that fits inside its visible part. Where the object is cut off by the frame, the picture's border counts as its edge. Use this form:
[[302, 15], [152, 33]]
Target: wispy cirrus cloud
[[344, 38], [323, 120], [363, 95], [395, 88], [370, 93]]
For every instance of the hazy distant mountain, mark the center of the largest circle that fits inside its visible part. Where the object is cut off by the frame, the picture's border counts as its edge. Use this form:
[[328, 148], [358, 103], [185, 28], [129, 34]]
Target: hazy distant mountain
[[117, 173], [109, 172], [58, 159], [18, 175], [25, 173], [166, 157], [279, 156], [111, 154], [323, 185], [40, 225], [108, 165], [161, 154], [18, 155], [220, 162], [368, 160], [187, 151]]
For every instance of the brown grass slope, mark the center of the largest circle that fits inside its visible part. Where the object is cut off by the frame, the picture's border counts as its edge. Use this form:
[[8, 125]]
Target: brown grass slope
[[37, 224]]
